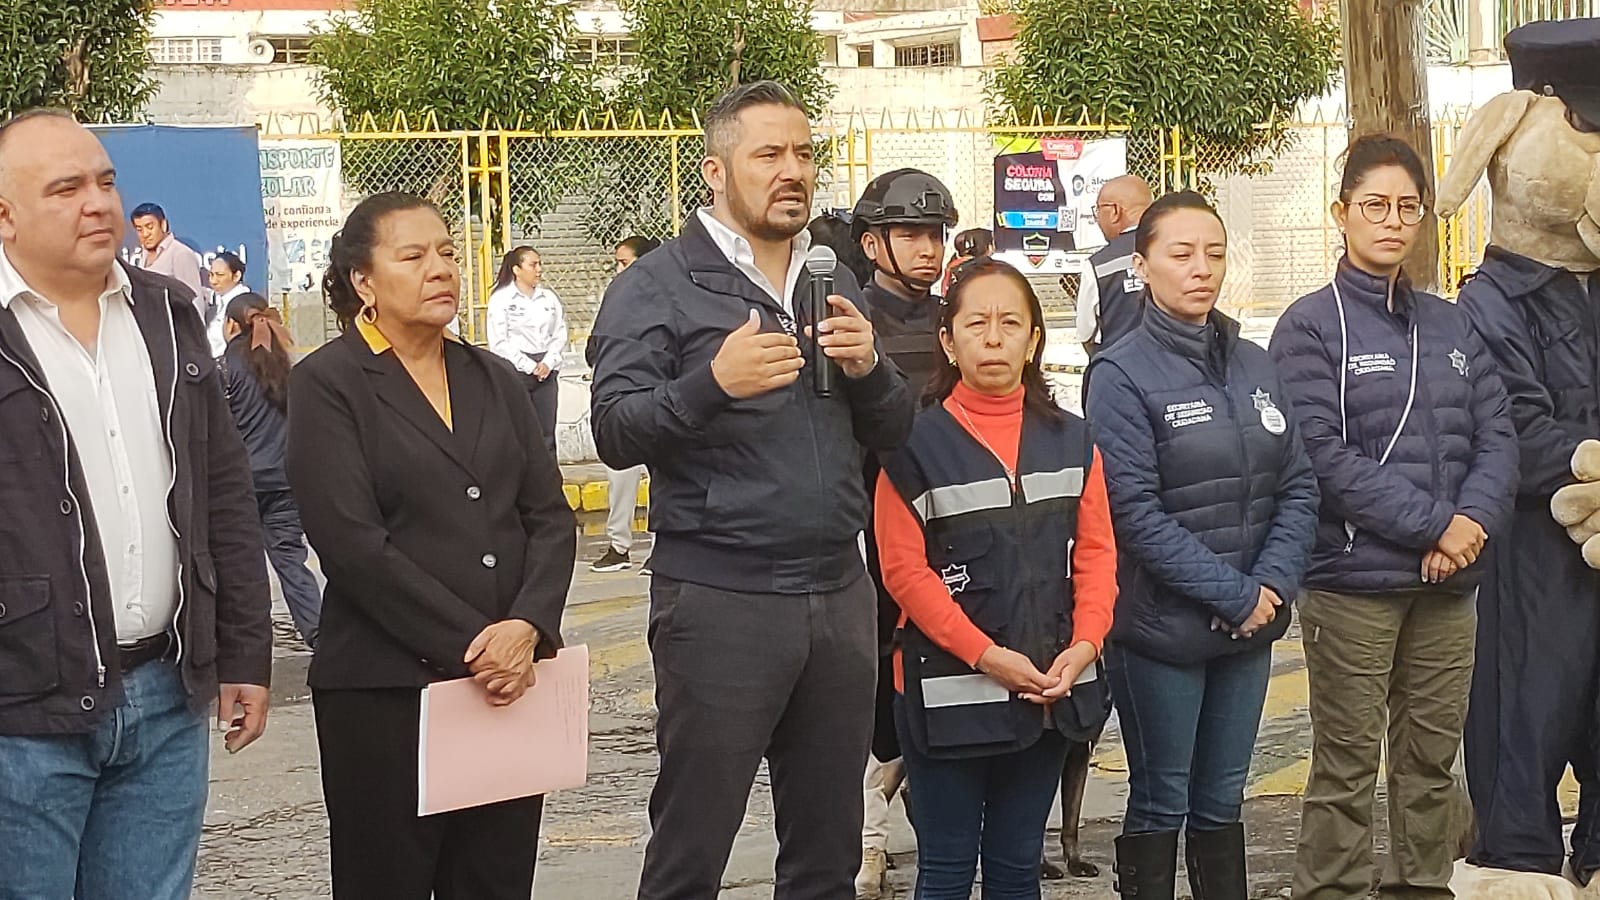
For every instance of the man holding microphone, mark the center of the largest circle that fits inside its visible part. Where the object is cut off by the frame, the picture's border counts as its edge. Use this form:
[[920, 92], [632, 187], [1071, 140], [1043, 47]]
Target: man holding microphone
[[762, 620]]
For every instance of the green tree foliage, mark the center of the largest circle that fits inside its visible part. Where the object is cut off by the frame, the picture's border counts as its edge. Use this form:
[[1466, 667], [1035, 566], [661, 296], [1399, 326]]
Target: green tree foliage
[[689, 52], [88, 56], [466, 64], [1218, 69], [692, 50], [461, 60]]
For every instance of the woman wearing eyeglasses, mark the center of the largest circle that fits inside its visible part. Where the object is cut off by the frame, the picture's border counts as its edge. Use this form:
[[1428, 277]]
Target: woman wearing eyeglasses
[[1407, 427]]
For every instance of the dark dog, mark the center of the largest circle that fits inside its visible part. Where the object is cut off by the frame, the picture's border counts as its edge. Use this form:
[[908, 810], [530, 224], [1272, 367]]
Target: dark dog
[[1074, 777]]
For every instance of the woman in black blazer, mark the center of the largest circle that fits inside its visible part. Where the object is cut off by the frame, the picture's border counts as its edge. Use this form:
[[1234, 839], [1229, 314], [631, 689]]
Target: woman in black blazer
[[448, 548]]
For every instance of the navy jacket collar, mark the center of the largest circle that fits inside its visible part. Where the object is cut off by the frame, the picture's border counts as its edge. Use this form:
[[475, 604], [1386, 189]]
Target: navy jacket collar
[[1359, 286], [1210, 344]]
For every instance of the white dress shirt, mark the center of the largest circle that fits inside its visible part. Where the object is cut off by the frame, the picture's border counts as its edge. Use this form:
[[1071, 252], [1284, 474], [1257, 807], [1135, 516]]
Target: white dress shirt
[[107, 397], [743, 256], [219, 344], [527, 329], [1088, 304]]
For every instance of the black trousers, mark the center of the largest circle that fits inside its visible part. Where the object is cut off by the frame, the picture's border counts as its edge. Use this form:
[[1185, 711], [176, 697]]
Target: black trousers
[[545, 395], [379, 846], [742, 677], [1533, 708]]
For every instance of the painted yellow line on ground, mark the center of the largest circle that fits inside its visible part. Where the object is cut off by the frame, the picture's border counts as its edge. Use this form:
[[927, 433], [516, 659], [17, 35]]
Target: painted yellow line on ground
[[1285, 781], [578, 616], [1567, 792], [1287, 693], [608, 661]]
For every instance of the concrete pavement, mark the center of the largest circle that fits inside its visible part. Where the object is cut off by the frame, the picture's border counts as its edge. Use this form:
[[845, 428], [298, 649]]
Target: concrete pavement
[[266, 833]]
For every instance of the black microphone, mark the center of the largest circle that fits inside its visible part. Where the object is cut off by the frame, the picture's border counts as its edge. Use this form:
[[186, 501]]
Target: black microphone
[[820, 263]]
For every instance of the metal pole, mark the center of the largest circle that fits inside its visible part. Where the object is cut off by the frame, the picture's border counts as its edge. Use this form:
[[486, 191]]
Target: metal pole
[[677, 189]]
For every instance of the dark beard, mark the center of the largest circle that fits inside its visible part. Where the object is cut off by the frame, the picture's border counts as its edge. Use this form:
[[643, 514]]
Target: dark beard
[[760, 224]]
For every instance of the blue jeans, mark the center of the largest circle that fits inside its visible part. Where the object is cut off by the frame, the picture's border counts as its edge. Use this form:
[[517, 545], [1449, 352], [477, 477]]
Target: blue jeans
[[1189, 732], [992, 806], [114, 814], [286, 549]]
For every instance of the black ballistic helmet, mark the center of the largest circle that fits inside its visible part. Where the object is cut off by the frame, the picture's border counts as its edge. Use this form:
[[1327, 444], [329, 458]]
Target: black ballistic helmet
[[903, 197], [1560, 59]]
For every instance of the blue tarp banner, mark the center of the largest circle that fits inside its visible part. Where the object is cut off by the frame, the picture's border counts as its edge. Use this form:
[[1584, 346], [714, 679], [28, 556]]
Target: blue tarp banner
[[207, 180]]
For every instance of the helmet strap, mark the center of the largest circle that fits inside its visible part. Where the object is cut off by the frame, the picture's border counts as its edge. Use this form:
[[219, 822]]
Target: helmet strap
[[917, 287]]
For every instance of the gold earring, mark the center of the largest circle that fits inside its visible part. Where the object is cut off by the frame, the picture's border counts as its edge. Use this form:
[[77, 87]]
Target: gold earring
[[369, 313], [952, 361]]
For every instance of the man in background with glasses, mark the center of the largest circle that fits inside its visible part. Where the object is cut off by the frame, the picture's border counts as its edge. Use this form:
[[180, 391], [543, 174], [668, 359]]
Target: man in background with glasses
[[1110, 295]]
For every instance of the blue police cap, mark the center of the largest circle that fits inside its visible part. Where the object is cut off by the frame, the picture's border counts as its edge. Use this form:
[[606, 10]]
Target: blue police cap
[[1560, 59]]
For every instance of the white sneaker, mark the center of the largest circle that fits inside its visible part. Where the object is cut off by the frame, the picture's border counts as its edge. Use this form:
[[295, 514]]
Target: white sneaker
[[874, 875]]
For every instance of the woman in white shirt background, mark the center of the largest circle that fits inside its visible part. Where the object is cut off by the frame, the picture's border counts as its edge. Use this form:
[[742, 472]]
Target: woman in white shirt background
[[227, 282], [527, 327]]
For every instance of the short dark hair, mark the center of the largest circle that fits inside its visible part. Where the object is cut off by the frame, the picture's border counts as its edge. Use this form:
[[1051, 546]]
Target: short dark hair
[[834, 232], [1164, 206], [148, 209], [638, 245], [232, 261], [722, 121]]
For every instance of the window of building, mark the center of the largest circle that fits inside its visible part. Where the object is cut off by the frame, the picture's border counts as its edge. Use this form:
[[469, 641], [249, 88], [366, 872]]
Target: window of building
[[605, 50], [830, 49], [179, 50], [924, 55], [290, 49], [864, 56]]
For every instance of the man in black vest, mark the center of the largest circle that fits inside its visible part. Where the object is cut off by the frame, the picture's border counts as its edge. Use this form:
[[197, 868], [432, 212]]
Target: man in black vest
[[1109, 292], [900, 223], [761, 613]]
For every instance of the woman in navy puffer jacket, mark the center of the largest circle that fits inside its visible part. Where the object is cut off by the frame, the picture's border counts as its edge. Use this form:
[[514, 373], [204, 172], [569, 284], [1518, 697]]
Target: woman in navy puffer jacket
[[1214, 506], [1406, 424]]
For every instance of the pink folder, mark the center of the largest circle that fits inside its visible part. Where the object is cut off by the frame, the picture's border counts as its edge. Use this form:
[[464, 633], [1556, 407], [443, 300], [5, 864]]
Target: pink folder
[[470, 753]]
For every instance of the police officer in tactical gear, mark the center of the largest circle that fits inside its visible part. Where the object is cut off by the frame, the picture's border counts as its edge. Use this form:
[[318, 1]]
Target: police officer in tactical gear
[[900, 222]]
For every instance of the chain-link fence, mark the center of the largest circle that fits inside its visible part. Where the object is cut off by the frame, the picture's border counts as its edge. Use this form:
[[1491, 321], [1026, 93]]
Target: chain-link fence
[[573, 194]]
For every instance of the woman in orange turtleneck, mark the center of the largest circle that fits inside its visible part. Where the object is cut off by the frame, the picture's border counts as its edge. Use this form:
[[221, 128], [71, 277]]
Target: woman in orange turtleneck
[[995, 539]]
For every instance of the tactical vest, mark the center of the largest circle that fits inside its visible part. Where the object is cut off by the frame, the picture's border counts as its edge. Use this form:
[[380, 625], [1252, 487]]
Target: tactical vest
[[908, 331], [1121, 291], [1005, 556]]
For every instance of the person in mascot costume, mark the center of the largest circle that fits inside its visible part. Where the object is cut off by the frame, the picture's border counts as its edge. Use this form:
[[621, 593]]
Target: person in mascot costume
[[1536, 302]]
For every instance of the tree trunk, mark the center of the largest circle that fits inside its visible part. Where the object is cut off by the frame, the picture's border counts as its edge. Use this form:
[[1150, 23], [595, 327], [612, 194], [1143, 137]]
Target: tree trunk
[[1386, 90]]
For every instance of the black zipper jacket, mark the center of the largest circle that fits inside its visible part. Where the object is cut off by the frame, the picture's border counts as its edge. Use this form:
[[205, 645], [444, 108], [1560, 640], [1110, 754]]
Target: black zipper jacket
[[762, 495], [58, 645]]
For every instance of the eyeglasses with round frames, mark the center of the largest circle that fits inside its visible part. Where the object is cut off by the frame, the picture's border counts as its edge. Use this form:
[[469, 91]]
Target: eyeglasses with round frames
[[1376, 210]]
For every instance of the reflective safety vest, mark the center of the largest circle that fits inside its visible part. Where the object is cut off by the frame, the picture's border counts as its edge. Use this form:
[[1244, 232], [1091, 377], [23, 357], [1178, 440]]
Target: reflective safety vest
[[1006, 556], [1120, 290]]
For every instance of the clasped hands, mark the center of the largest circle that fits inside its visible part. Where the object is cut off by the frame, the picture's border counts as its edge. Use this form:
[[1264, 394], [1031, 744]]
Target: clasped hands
[[501, 660], [1458, 548], [1266, 610], [1021, 677]]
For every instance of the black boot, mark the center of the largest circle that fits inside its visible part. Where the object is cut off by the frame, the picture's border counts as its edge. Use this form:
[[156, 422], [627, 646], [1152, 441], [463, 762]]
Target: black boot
[[1147, 865], [1216, 864]]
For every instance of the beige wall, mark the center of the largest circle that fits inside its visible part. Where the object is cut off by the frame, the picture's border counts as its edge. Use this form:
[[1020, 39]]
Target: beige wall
[[236, 95]]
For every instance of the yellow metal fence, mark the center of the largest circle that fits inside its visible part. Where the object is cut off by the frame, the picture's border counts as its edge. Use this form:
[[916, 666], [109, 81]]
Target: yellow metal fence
[[574, 193]]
